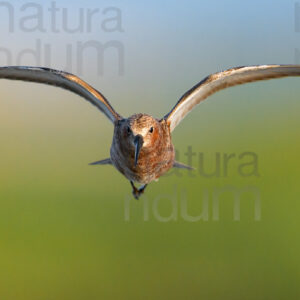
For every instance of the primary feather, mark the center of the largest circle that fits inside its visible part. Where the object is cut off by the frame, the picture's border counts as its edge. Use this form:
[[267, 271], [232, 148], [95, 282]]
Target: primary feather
[[218, 81], [64, 80]]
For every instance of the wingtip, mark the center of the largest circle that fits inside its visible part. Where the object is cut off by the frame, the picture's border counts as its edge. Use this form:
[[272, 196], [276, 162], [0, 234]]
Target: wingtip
[[106, 161], [182, 166]]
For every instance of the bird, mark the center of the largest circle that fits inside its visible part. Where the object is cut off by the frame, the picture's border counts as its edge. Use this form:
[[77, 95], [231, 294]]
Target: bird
[[142, 148]]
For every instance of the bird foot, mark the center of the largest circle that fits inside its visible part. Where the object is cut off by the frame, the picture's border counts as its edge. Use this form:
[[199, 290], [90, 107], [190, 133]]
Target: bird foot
[[136, 192]]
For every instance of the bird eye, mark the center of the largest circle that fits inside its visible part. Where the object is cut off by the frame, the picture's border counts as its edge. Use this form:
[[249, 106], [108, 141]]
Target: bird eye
[[128, 129], [151, 129]]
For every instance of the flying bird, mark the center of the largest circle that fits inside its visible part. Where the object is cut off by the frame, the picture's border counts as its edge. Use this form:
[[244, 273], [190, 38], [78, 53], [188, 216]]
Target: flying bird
[[142, 148]]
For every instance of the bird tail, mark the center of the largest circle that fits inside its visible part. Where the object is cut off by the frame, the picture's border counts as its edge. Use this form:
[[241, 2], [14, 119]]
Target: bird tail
[[106, 161], [180, 165]]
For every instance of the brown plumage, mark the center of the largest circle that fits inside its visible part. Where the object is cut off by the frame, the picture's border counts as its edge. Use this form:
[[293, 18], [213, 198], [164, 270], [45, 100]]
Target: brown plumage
[[156, 154], [142, 148]]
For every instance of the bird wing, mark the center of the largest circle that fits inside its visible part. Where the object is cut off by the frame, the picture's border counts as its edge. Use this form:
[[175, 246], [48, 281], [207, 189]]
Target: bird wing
[[218, 81], [64, 80]]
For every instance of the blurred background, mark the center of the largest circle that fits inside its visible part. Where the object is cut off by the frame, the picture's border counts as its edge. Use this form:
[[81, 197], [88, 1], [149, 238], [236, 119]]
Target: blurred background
[[73, 231]]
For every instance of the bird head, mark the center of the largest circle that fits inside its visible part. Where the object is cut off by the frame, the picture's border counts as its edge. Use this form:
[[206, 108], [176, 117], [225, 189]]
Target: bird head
[[139, 132]]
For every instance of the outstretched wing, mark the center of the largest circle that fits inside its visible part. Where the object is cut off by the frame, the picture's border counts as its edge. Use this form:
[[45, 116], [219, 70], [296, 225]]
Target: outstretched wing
[[218, 81], [64, 80]]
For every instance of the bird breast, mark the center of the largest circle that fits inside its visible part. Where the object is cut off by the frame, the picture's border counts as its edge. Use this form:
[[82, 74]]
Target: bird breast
[[154, 160]]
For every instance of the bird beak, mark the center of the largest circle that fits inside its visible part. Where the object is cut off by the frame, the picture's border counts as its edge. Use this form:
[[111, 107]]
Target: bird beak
[[138, 143]]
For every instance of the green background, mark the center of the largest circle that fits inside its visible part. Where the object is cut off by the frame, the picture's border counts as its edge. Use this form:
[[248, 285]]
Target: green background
[[65, 232]]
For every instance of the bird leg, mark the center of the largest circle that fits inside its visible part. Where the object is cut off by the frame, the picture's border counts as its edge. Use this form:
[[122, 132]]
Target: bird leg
[[137, 191], [142, 189]]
